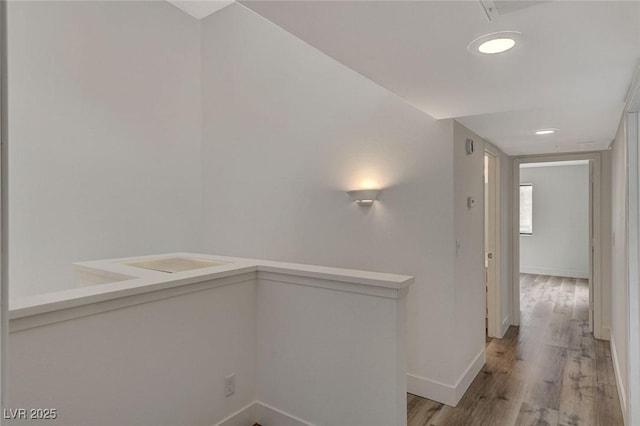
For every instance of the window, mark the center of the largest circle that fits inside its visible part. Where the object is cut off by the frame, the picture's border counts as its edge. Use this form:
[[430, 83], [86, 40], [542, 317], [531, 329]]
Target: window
[[526, 209]]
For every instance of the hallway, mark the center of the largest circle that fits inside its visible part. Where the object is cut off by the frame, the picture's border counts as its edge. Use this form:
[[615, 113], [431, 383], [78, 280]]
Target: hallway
[[549, 371]]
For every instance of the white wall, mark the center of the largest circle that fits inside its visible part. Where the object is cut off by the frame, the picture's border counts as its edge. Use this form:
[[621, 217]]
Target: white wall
[[620, 285], [469, 272], [560, 241], [156, 363], [633, 232], [286, 131], [324, 346], [104, 130], [331, 357]]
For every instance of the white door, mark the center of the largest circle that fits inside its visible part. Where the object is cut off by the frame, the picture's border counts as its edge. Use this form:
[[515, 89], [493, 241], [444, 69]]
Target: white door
[[492, 238]]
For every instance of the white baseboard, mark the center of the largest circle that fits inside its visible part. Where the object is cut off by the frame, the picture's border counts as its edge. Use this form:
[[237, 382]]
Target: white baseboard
[[606, 333], [267, 415], [432, 389], [554, 272], [246, 416], [442, 392], [616, 370], [504, 326], [470, 373], [263, 414]]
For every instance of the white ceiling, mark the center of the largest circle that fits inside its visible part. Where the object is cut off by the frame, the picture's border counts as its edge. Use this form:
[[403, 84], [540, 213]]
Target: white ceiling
[[200, 9], [571, 72]]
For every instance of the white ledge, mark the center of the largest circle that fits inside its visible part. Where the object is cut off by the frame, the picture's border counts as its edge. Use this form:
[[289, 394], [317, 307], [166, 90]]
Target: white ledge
[[138, 285]]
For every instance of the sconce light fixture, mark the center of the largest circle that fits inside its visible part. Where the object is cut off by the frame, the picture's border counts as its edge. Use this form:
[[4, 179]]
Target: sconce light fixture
[[364, 197], [469, 146]]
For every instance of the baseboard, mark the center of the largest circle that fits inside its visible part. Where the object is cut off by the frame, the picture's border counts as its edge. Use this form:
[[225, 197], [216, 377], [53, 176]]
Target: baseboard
[[432, 389], [616, 370], [442, 392], [263, 414], [469, 374], [504, 326], [554, 272], [246, 416], [606, 333], [267, 415]]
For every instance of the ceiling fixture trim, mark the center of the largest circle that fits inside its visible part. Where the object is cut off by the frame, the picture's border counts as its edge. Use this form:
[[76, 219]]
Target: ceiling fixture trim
[[495, 43], [547, 131]]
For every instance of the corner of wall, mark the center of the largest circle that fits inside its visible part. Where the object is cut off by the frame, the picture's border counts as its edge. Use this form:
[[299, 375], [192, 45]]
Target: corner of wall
[[432, 389], [243, 417], [616, 368], [470, 373], [469, 271], [505, 324], [445, 393]]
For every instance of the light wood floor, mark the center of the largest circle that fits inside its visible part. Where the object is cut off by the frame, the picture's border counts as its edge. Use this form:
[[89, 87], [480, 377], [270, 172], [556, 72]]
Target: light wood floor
[[549, 371]]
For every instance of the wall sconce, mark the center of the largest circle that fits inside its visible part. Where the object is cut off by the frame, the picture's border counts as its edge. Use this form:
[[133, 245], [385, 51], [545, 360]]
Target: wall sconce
[[364, 197], [469, 146]]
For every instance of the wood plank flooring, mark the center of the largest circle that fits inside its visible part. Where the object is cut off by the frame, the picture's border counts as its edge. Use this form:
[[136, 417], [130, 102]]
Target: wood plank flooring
[[550, 371]]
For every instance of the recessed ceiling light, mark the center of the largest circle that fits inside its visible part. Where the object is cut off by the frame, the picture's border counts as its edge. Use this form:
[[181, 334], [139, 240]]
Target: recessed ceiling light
[[545, 131], [491, 44], [497, 45]]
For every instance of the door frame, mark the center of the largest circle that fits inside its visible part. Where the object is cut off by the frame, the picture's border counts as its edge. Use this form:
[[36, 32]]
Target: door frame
[[633, 265], [595, 207], [4, 252], [494, 299]]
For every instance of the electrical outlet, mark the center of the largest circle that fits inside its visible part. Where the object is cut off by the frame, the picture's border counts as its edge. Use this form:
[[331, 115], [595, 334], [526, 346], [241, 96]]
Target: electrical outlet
[[229, 385]]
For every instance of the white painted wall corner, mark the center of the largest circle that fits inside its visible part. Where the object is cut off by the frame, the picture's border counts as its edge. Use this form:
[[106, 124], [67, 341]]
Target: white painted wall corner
[[616, 369], [504, 326], [470, 373], [264, 414], [432, 389], [268, 415], [606, 334], [444, 393], [243, 417]]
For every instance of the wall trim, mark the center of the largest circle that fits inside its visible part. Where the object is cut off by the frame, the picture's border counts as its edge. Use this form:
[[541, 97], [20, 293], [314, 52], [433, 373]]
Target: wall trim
[[431, 389], [243, 417], [442, 392], [506, 323], [616, 370], [386, 292], [470, 373], [259, 412], [268, 415], [606, 333], [569, 273], [30, 317]]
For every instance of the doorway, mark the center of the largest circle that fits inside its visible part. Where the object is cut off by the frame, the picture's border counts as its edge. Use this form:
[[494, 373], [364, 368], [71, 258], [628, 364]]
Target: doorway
[[533, 214], [492, 209]]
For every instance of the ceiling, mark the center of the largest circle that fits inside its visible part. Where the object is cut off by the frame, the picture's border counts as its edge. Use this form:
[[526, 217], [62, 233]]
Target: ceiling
[[200, 9], [572, 70]]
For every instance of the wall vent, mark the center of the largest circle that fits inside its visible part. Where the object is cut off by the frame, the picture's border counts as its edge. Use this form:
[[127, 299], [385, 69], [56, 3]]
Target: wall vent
[[495, 8]]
